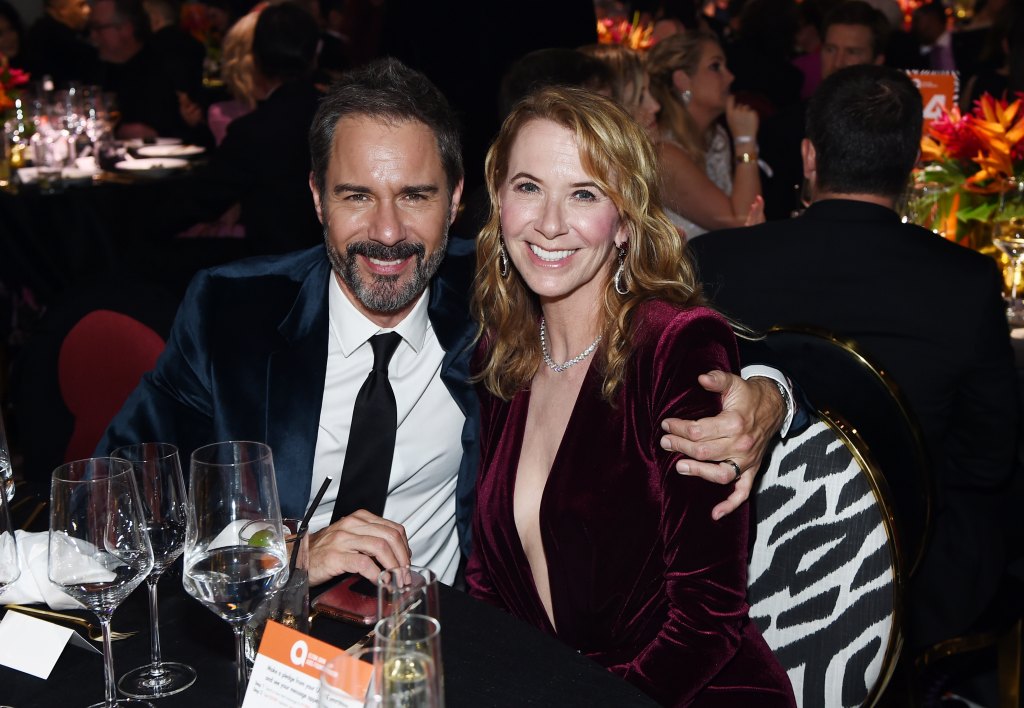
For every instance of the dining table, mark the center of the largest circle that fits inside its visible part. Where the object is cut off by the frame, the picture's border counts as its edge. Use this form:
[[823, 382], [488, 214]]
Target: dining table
[[490, 658]]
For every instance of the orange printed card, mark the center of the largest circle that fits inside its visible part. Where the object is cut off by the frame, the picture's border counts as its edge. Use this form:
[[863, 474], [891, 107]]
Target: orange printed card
[[288, 667]]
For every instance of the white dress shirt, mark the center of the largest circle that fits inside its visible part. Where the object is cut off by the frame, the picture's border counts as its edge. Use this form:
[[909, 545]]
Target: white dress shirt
[[428, 442]]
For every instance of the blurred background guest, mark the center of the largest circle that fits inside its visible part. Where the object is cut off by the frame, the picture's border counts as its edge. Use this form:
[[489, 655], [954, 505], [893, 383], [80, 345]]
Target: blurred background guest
[[56, 46], [702, 187], [630, 84], [12, 35], [853, 32], [238, 71], [134, 71], [263, 162], [181, 55], [931, 29]]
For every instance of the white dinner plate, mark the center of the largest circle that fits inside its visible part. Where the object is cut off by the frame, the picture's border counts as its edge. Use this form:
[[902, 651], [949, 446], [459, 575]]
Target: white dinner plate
[[170, 150], [136, 143], [152, 165]]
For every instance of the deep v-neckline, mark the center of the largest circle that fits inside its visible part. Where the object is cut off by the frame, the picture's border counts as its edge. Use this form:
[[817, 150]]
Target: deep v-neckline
[[520, 435]]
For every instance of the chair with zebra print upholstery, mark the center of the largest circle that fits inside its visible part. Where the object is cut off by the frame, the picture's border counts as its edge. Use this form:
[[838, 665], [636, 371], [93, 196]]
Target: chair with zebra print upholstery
[[825, 574]]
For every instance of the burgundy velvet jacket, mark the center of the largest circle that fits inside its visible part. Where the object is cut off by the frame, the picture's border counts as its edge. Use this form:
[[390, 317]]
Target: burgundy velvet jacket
[[642, 580]]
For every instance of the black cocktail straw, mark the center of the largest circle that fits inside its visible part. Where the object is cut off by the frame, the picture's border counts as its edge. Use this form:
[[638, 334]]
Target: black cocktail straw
[[304, 525]]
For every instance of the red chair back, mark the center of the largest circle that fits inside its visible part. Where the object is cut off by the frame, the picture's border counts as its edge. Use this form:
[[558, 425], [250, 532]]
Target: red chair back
[[101, 361]]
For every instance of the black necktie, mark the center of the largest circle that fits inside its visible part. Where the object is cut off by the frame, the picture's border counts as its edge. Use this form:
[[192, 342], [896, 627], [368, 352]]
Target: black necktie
[[371, 441]]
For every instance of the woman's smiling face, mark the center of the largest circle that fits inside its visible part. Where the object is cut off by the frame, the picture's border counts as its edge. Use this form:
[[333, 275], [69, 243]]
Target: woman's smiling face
[[559, 227]]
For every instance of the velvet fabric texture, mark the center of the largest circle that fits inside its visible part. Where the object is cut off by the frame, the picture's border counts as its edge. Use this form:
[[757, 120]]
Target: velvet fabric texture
[[642, 579], [247, 357]]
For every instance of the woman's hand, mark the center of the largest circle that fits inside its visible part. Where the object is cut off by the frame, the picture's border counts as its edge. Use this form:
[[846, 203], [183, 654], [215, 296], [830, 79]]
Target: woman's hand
[[756, 214], [741, 119]]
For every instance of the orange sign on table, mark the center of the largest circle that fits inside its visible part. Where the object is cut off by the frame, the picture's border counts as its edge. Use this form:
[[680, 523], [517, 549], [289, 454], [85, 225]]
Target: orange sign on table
[[940, 91]]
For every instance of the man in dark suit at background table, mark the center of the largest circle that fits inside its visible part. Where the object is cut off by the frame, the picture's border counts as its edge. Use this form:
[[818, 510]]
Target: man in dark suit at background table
[[927, 310], [55, 46], [274, 349]]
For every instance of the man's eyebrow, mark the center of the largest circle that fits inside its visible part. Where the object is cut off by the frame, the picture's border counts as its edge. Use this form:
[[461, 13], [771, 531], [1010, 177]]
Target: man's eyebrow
[[420, 189], [347, 187]]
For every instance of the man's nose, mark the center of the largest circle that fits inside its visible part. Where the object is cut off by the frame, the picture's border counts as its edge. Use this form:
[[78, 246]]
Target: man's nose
[[386, 223]]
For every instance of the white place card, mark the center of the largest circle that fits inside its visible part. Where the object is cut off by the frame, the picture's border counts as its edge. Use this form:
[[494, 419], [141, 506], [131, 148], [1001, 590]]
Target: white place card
[[34, 645]]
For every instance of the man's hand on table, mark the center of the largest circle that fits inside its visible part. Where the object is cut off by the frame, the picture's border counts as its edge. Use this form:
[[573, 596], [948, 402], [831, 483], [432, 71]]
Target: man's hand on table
[[752, 412], [358, 543]]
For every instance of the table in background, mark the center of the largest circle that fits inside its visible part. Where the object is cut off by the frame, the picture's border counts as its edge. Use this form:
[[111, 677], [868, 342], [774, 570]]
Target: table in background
[[490, 659]]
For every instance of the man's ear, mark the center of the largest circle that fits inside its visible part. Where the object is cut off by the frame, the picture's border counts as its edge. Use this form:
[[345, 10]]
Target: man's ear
[[316, 198], [456, 198], [810, 158]]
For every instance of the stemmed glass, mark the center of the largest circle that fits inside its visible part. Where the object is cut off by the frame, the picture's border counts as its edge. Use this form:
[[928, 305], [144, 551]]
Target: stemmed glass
[[1009, 238], [6, 471], [230, 485], [10, 571], [99, 550], [158, 477]]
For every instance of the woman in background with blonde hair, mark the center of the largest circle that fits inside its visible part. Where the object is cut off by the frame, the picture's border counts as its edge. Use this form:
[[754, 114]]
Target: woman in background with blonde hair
[[705, 184], [630, 85], [593, 330], [237, 70]]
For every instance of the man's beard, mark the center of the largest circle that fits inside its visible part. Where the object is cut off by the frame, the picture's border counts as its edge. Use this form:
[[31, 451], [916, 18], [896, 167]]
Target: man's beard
[[384, 293]]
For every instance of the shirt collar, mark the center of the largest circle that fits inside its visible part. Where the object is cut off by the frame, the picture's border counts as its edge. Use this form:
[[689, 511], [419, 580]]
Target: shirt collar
[[353, 328]]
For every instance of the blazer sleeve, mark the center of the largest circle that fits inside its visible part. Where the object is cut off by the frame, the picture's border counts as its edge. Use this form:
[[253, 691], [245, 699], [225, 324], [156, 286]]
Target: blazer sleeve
[[173, 402], [704, 561]]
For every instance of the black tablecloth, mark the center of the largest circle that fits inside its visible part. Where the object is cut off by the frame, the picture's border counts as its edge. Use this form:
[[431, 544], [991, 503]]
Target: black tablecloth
[[490, 659]]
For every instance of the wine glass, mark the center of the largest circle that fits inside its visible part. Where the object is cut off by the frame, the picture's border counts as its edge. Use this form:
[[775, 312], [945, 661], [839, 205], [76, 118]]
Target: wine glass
[[158, 477], [1009, 238], [10, 570], [6, 471], [99, 550], [230, 485]]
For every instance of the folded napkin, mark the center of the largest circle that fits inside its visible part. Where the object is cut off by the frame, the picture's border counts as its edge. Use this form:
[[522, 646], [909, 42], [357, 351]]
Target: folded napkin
[[34, 585]]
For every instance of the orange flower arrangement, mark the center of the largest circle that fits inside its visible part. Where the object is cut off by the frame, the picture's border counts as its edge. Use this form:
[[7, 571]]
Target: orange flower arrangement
[[10, 80], [621, 31], [973, 157]]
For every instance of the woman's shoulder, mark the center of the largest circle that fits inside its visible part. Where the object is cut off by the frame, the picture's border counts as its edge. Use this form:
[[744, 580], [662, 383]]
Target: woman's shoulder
[[660, 324]]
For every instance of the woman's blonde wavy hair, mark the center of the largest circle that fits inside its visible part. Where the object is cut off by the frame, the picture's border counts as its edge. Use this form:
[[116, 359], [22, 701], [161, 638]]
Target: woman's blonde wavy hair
[[237, 64], [680, 51], [617, 154], [627, 71]]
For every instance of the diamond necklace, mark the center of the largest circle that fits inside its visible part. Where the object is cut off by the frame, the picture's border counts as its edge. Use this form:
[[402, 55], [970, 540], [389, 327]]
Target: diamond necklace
[[559, 368]]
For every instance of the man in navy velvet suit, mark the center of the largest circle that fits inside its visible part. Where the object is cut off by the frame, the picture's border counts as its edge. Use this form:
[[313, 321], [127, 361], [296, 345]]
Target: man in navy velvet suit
[[276, 349], [928, 311]]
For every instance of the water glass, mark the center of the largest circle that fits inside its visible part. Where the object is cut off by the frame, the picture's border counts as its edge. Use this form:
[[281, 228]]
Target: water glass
[[289, 605], [407, 589], [230, 485], [411, 670], [99, 551], [10, 570]]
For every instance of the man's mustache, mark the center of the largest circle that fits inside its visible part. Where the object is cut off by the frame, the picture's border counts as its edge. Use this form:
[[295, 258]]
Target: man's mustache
[[378, 251]]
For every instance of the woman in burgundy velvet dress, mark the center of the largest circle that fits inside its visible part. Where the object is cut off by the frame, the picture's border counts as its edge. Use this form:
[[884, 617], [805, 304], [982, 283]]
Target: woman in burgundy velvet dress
[[593, 331]]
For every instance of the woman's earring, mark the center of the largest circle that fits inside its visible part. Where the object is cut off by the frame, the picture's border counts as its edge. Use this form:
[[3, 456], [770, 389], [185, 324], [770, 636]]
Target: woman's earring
[[620, 286], [503, 266], [686, 96]]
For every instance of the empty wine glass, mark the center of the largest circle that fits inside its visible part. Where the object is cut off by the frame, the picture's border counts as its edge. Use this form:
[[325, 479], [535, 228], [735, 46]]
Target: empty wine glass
[[99, 550], [230, 485], [6, 471], [10, 570], [158, 477]]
